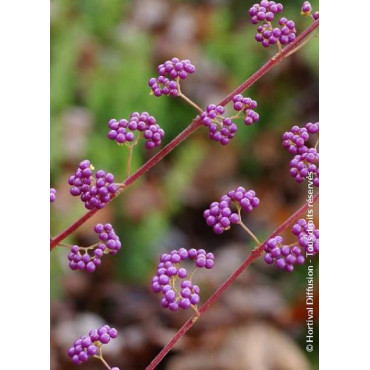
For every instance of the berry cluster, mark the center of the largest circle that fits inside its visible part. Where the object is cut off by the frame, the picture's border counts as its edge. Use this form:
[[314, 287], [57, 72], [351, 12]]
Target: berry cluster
[[78, 261], [221, 129], [306, 159], [89, 345], [169, 72], [312, 128], [264, 11], [110, 242], [266, 34], [94, 192], [284, 256], [53, 195], [304, 164], [270, 36], [163, 86], [168, 270], [247, 105], [80, 258], [219, 216], [308, 236], [123, 131], [288, 31], [245, 198], [295, 139], [176, 68]]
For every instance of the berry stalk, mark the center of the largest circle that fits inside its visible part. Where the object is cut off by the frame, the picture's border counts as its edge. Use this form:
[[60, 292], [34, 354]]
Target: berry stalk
[[129, 160], [253, 255], [189, 101], [246, 228], [195, 124]]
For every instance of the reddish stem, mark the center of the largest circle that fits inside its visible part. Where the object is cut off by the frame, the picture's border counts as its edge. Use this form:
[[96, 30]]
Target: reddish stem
[[253, 255], [189, 130]]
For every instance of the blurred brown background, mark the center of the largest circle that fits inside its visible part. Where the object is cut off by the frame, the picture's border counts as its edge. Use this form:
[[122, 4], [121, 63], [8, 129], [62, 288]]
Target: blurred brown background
[[102, 55]]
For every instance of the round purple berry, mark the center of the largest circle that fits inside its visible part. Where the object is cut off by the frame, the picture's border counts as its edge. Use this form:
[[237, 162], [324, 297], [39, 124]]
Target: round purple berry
[[53, 195]]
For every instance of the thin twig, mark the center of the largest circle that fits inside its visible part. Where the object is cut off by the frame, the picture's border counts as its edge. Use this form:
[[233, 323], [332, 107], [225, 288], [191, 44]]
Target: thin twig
[[129, 160], [64, 245], [101, 358], [245, 226], [199, 109], [249, 232], [188, 100], [301, 45]]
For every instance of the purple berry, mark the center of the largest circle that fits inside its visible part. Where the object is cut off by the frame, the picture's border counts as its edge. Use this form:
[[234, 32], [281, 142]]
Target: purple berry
[[185, 303], [53, 195], [268, 258], [173, 306], [182, 273], [194, 299], [306, 8], [280, 263]]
